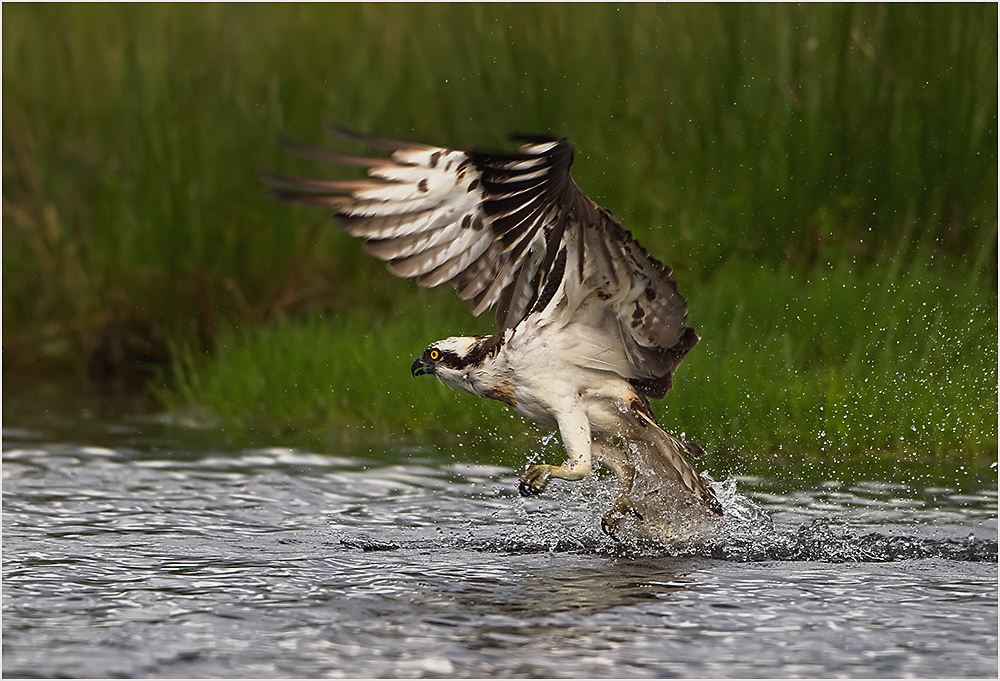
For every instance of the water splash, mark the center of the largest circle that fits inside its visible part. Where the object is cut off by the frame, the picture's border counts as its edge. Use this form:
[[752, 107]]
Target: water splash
[[568, 522], [816, 542], [747, 534], [741, 516], [821, 541]]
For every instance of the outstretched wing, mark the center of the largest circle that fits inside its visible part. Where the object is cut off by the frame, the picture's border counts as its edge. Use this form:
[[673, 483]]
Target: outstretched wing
[[506, 230]]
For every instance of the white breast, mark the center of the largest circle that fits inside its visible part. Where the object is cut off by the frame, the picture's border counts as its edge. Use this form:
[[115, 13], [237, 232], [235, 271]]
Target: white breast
[[558, 367]]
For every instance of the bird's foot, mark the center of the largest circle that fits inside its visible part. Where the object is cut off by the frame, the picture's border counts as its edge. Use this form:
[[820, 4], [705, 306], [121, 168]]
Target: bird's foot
[[535, 480], [623, 509]]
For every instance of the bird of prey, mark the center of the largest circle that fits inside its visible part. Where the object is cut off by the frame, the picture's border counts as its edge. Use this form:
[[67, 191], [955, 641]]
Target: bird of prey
[[589, 325]]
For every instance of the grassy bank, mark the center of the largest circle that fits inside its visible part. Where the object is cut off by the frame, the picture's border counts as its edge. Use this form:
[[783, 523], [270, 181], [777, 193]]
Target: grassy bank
[[819, 156], [841, 363], [133, 136]]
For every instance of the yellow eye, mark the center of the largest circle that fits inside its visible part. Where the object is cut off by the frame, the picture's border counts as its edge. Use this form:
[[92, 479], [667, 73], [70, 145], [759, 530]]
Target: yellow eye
[[435, 354]]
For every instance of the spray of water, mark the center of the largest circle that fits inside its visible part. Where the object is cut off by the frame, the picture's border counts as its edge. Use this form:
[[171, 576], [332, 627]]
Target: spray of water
[[568, 519]]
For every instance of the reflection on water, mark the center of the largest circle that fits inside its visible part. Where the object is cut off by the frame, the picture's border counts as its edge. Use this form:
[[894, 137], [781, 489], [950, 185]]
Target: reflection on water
[[578, 588], [127, 554]]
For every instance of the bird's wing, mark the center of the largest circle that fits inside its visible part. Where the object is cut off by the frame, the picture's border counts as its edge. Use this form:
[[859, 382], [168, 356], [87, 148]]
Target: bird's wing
[[508, 231]]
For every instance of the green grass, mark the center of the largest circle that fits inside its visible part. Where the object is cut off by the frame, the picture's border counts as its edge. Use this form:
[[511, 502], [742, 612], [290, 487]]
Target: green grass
[[349, 373], [133, 136], [812, 172], [846, 362]]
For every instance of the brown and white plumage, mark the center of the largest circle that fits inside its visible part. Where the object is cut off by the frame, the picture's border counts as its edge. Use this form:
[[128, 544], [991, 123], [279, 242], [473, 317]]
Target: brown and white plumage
[[578, 301]]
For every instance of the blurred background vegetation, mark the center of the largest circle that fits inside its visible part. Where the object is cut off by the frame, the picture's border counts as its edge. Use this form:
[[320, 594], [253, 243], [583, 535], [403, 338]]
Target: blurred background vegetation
[[822, 178]]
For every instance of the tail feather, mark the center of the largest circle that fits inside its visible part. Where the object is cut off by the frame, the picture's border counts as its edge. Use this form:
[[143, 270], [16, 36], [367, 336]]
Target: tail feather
[[668, 450]]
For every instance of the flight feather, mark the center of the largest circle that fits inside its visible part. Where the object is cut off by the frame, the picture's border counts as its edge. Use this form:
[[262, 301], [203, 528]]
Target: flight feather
[[513, 232]]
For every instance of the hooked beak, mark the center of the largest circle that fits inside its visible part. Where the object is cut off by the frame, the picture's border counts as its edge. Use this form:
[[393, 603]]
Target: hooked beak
[[420, 367]]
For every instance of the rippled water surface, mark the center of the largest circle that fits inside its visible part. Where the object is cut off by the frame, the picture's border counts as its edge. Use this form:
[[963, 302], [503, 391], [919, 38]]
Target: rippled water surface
[[130, 553]]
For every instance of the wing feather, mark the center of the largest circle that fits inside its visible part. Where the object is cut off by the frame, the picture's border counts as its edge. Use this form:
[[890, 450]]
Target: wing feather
[[425, 261], [411, 244], [480, 273], [510, 231], [396, 226], [487, 298], [461, 263]]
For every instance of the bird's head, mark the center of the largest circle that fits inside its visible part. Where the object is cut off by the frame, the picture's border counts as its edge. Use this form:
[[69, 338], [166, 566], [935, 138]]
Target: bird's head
[[450, 360]]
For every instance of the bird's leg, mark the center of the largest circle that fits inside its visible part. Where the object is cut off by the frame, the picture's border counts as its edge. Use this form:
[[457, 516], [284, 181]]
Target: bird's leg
[[575, 431], [623, 506], [616, 515]]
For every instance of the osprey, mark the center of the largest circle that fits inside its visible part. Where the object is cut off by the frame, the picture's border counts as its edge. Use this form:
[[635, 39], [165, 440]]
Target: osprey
[[590, 326]]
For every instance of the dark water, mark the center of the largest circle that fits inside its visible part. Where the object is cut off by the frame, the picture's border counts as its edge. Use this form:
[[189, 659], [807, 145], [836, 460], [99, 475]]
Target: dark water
[[130, 553]]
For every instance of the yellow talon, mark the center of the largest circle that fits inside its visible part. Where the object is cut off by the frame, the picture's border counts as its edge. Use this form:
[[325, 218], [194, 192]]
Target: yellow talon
[[535, 480], [622, 508]]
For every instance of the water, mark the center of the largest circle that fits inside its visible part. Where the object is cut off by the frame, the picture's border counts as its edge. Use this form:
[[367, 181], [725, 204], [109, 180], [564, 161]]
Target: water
[[130, 550]]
